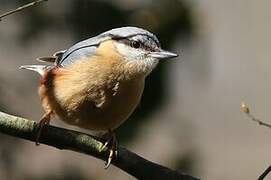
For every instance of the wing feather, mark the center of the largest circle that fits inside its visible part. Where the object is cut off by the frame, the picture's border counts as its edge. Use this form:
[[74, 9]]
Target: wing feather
[[79, 51]]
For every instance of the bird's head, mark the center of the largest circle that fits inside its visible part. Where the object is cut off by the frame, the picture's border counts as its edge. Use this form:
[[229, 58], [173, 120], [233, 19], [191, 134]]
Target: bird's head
[[138, 47]]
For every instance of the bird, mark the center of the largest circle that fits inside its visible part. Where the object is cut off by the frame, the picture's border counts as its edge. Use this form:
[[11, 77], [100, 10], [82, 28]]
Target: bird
[[97, 83]]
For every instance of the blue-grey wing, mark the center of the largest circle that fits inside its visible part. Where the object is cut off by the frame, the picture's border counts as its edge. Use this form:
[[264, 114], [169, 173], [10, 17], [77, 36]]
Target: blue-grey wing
[[80, 51], [79, 54]]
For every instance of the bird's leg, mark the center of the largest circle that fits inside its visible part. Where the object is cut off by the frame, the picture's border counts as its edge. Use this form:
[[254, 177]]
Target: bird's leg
[[45, 120], [112, 145]]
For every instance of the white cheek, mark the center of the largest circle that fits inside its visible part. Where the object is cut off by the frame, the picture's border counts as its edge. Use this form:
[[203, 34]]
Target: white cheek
[[128, 52], [137, 57]]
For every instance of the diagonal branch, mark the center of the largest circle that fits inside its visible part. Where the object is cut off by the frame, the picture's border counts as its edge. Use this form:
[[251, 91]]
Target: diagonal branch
[[83, 143], [265, 173], [21, 8]]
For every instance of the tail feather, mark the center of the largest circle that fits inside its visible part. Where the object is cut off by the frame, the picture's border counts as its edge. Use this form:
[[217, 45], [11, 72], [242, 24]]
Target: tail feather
[[37, 68], [47, 59]]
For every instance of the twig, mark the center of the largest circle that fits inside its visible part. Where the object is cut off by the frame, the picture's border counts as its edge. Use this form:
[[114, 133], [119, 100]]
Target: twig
[[259, 121], [265, 173], [21, 8], [245, 109], [83, 143]]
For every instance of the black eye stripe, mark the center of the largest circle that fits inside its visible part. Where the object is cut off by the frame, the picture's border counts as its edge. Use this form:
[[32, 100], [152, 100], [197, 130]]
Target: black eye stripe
[[119, 38], [139, 45]]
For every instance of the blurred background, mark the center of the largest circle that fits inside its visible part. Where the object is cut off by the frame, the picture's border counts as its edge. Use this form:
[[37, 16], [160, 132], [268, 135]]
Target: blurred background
[[189, 117]]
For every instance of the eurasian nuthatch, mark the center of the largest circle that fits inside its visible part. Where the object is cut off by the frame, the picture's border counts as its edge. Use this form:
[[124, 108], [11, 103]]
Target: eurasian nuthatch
[[97, 83]]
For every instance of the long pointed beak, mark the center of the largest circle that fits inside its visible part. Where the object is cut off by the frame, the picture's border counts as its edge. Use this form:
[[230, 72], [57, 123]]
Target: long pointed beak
[[162, 54]]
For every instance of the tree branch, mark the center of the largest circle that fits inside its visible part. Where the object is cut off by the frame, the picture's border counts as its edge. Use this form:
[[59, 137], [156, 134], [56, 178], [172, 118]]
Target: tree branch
[[265, 173], [83, 143], [21, 8]]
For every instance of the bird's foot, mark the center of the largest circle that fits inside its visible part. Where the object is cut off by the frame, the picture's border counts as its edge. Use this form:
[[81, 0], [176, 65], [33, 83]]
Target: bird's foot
[[112, 145], [45, 120]]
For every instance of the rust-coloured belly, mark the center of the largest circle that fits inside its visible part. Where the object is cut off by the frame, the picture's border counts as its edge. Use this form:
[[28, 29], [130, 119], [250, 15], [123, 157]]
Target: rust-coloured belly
[[99, 108], [115, 110]]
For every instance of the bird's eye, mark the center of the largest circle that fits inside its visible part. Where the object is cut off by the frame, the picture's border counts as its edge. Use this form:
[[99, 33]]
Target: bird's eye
[[135, 44]]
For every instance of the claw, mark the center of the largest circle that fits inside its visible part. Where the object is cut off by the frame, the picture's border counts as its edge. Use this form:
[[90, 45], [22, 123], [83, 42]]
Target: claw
[[110, 157], [104, 146], [44, 121], [112, 147]]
